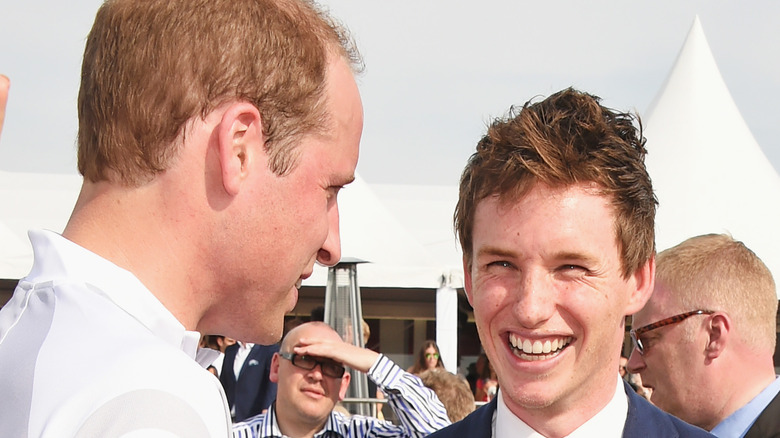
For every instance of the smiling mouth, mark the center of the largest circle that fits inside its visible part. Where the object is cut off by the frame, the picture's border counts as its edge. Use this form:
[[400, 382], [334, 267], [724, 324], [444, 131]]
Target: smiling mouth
[[537, 350]]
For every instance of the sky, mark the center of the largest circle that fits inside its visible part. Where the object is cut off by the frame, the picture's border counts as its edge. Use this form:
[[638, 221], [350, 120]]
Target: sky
[[436, 71]]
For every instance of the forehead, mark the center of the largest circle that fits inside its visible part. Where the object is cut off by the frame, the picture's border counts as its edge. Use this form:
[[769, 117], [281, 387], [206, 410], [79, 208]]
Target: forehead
[[660, 305], [576, 214]]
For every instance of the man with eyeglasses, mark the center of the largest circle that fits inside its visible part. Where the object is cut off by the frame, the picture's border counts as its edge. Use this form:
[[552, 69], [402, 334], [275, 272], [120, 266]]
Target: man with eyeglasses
[[311, 378], [704, 341]]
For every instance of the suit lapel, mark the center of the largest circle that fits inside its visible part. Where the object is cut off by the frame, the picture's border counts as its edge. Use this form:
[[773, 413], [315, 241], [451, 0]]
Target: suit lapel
[[768, 422]]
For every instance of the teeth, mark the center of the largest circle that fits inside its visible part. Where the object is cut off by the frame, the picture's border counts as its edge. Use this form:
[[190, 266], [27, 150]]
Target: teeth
[[537, 350]]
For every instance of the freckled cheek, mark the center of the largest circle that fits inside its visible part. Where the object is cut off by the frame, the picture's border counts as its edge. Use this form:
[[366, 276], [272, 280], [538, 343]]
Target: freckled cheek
[[491, 295]]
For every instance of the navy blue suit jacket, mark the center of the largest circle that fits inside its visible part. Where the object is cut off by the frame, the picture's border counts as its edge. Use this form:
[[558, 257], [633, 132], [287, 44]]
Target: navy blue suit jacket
[[767, 425], [644, 421], [253, 392]]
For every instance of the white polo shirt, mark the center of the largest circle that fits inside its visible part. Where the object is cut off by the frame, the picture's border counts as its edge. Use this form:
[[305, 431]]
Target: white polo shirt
[[87, 350]]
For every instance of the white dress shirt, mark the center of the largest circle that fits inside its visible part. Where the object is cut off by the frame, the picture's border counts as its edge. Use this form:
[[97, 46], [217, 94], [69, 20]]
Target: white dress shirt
[[87, 351], [607, 423], [244, 349]]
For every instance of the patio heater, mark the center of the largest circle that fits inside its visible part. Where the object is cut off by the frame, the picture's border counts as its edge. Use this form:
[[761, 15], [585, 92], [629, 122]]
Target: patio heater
[[344, 312]]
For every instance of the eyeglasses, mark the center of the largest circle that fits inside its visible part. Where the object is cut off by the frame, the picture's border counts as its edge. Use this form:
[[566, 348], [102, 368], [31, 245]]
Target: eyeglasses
[[328, 367], [431, 355], [637, 333]]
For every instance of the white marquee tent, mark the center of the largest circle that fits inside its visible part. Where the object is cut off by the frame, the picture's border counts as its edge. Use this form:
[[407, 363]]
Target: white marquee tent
[[709, 173], [31, 201]]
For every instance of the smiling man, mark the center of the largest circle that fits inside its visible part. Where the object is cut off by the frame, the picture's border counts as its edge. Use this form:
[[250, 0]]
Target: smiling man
[[311, 377], [214, 136], [555, 218]]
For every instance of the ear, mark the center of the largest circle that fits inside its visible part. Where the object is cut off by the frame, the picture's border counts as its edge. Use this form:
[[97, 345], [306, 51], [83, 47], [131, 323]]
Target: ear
[[344, 385], [273, 375], [641, 283], [240, 144], [718, 329], [467, 280]]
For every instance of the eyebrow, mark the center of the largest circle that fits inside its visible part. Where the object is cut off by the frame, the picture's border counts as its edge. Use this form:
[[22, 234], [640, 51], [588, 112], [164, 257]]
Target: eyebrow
[[495, 251], [571, 255]]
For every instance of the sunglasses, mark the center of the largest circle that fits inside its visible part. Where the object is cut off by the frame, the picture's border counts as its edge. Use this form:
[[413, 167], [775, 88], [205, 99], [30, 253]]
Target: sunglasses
[[636, 334], [328, 367], [431, 355]]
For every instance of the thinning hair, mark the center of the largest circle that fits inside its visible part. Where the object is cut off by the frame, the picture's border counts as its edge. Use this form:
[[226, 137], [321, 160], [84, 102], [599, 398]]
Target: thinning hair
[[151, 66], [716, 272], [288, 340], [566, 139]]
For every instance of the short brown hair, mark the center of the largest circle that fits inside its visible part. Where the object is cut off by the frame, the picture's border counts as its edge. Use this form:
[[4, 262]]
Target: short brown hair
[[453, 391], [566, 139], [716, 272], [150, 66]]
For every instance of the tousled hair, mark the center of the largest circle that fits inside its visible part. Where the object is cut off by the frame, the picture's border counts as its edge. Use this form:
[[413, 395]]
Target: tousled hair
[[151, 66], [568, 138]]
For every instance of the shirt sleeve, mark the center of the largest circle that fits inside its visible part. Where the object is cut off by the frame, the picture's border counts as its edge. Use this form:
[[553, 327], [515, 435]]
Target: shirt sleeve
[[261, 425], [417, 407]]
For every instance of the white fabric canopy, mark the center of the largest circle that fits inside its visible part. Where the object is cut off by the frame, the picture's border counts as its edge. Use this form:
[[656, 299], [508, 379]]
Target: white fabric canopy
[[709, 173], [371, 232], [31, 201]]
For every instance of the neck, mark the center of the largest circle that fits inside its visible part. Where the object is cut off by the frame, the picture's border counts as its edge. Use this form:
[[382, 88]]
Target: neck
[[747, 378], [297, 427], [129, 227], [563, 416]]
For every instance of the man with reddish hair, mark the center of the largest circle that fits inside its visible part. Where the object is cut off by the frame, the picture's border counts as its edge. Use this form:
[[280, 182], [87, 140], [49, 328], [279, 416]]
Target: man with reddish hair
[[556, 221], [705, 340], [214, 137]]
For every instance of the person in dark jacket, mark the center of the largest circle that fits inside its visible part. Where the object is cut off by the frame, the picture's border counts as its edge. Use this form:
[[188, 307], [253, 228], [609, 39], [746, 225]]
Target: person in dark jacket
[[556, 220]]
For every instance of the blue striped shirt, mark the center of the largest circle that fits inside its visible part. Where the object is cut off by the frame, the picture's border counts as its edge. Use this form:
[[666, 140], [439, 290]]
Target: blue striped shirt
[[419, 411]]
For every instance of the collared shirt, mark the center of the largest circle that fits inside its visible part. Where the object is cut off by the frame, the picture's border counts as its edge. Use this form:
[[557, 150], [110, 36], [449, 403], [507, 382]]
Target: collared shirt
[[418, 409], [243, 351], [87, 350], [608, 422], [737, 424]]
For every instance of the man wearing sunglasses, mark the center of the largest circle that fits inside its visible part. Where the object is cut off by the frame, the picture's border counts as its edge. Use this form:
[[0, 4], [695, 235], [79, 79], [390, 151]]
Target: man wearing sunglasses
[[704, 341], [311, 378]]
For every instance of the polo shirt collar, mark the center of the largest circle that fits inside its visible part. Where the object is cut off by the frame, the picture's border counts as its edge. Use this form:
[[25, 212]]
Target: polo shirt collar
[[59, 260]]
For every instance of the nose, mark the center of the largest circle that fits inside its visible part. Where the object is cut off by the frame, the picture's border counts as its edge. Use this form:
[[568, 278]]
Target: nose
[[636, 363], [534, 300], [330, 252], [316, 372]]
